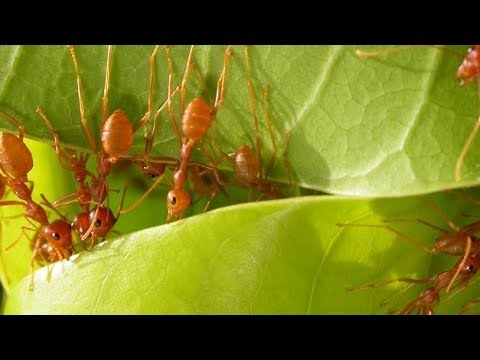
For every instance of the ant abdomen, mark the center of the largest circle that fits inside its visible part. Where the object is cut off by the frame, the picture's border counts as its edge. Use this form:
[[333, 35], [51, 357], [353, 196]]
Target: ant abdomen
[[245, 165], [117, 135], [196, 119], [15, 158]]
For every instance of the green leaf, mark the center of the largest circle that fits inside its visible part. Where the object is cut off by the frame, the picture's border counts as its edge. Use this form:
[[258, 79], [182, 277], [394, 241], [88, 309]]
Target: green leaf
[[390, 125], [277, 257]]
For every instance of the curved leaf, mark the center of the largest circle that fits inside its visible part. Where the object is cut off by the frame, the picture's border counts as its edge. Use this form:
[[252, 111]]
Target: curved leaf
[[391, 125], [277, 257]]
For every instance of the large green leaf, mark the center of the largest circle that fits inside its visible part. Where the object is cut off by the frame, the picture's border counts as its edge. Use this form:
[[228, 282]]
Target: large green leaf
[[285, 256], [391, 125]]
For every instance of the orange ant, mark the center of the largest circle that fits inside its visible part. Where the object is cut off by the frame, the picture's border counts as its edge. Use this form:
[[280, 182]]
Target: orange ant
[[465, 268], [248, 166], [197, 117], [117, 139]]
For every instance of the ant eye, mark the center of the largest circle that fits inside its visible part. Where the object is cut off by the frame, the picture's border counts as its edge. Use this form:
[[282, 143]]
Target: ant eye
[[151, 176], [97, 223], [173, 200], [56, 236], [469, 268]]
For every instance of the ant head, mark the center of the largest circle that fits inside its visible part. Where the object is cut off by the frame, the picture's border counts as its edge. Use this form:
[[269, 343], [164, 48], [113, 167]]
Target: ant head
[[471, 266], [81, 223], [152, 170], [103, 220], [178, 200], [58, 234], [470, 67]]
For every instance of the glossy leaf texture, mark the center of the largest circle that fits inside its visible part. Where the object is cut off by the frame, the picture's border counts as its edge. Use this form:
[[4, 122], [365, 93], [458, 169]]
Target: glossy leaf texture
[[392, 125], [277, 257]]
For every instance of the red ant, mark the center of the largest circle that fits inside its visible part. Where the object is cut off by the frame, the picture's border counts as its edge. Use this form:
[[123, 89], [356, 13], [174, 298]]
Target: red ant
[[197, 118], [466, 268], [458, 242], [248, 166], [117, 138]]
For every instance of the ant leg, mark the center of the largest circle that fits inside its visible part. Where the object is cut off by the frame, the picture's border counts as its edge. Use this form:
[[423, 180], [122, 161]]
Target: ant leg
[[288, 135], [120, 206], [254, 110], [149, 139], [107, 85], [462, 263], [220, 93], [465, 149], [405, 237], [469, 305], [420, 221], [93, 146], [64, 199], [407, 310], [60, 154], [441, 214], [270, 130], [24, 229], [182, 91], [139, 201], [463, 196], [396, 49], [405, 280], [32, 263], [185, 77], [150, 90], [18, 124], [50, 206], [397, 294]]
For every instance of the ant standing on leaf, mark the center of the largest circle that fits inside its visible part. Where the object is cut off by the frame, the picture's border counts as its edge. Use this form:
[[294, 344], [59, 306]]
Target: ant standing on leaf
[[15, 163], [468, 71], [458, 242], [248, 164], [425, 302], [197, 117]]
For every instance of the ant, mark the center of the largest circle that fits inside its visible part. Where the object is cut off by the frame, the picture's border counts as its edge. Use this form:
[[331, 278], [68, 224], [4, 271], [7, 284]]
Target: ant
[[424, 303], [197, 117], [204, 183], [117, 139], [459, 241], [248, 166]]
